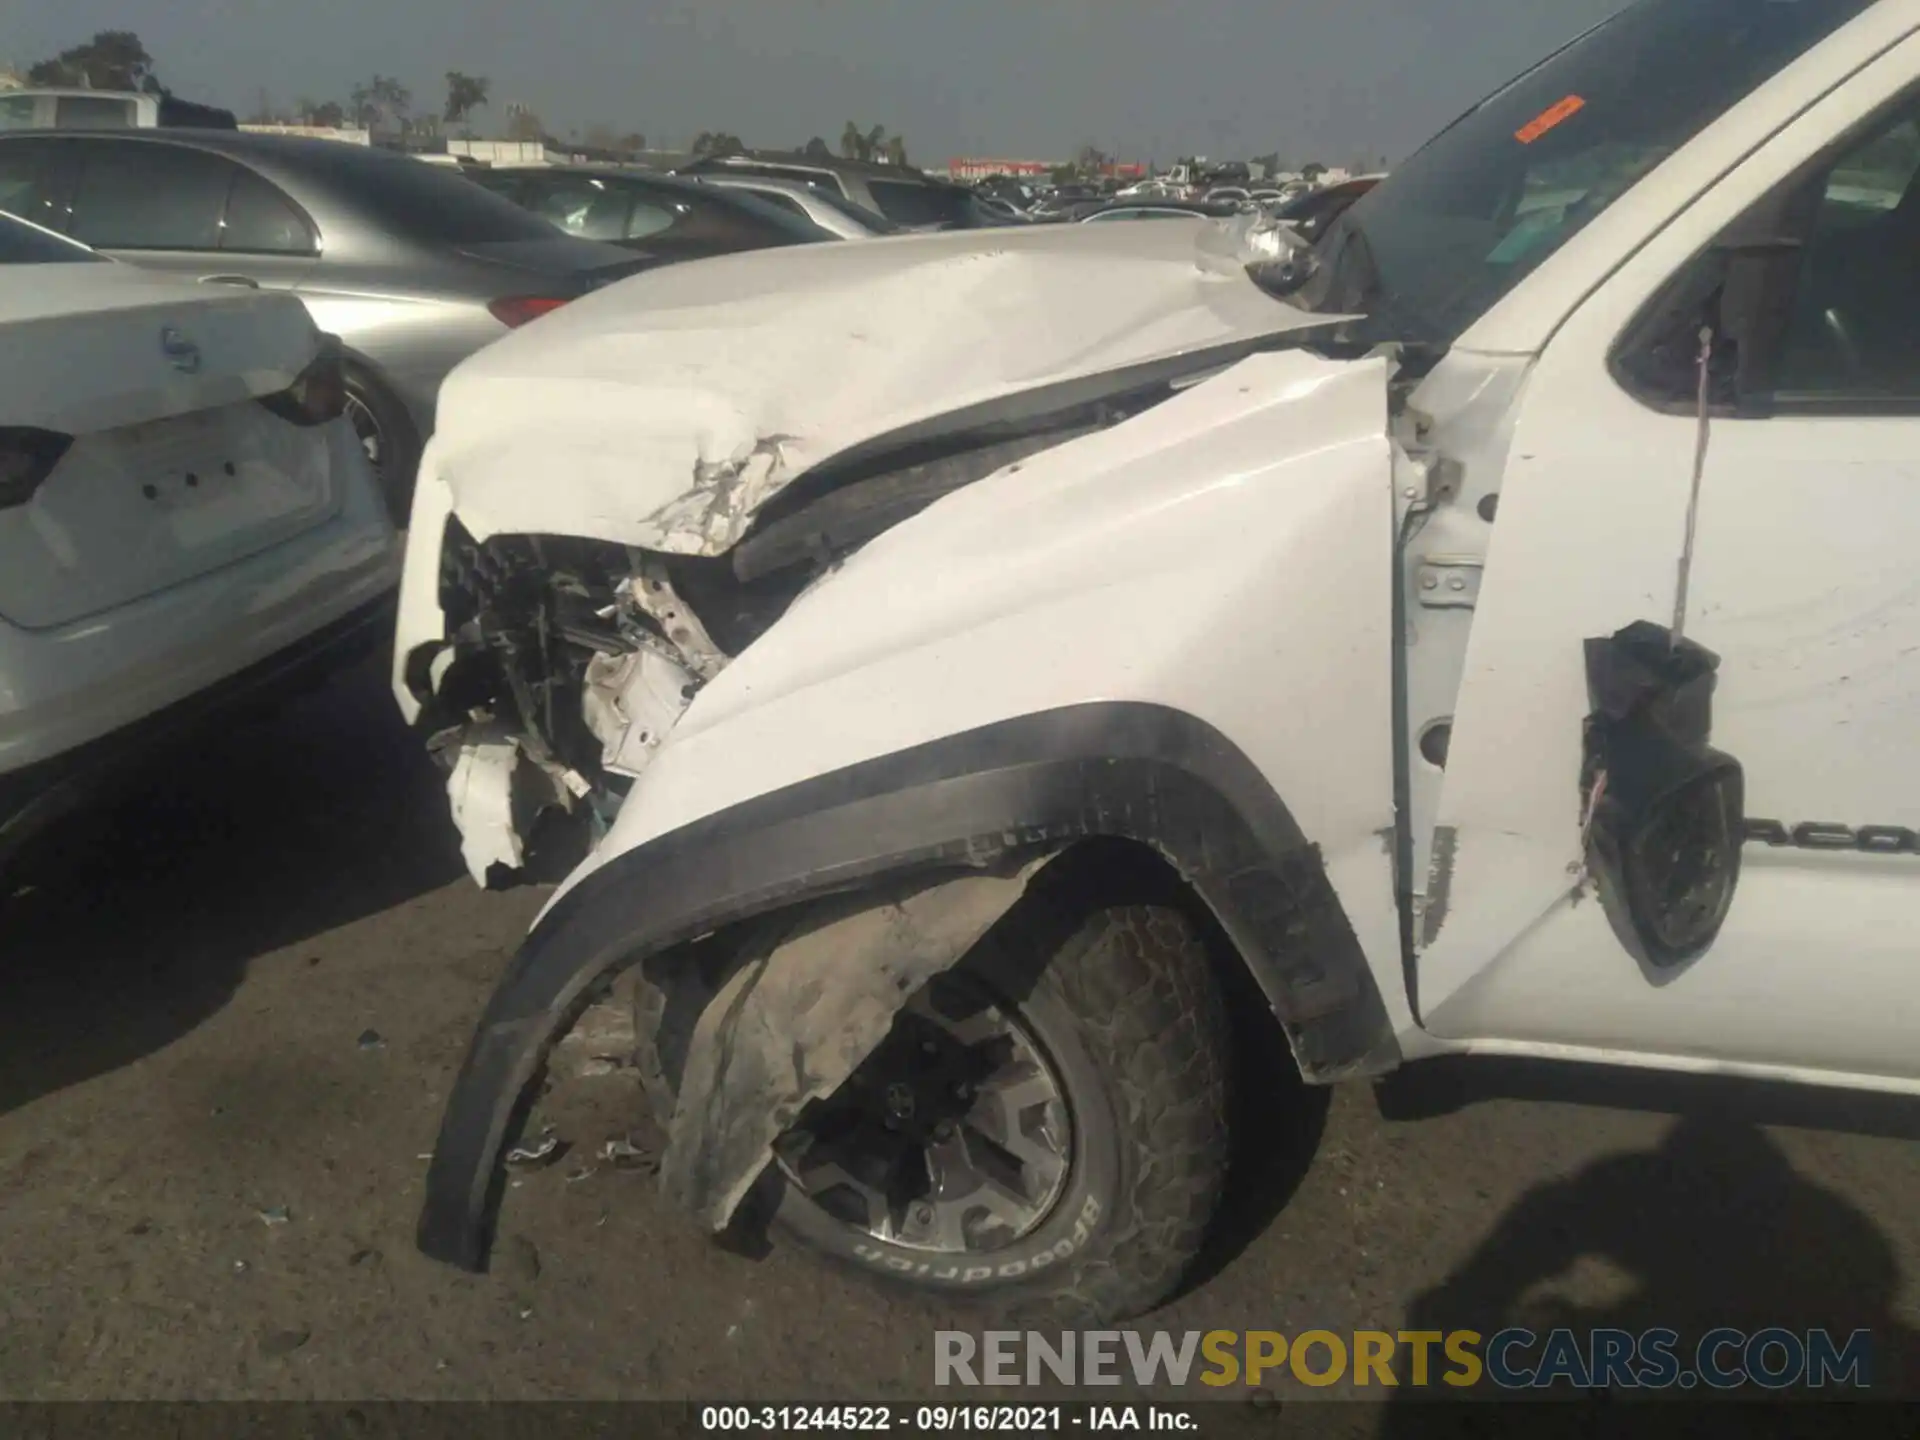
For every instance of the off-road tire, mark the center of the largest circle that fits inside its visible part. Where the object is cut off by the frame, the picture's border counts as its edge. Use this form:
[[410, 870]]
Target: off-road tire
[[1124, 1001]]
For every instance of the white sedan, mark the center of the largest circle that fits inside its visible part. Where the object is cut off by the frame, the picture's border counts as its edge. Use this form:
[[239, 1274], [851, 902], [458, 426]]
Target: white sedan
[[185, 519]]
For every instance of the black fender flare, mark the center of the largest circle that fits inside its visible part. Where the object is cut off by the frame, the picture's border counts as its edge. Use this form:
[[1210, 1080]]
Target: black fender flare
[[1133, 771]]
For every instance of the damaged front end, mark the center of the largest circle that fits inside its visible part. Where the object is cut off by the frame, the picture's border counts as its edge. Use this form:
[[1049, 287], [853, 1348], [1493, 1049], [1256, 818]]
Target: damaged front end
[[619, 500], [567, 662], [770, 942]]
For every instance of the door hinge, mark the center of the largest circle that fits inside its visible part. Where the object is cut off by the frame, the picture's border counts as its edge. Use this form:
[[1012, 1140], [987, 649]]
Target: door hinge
[[1448, 582]]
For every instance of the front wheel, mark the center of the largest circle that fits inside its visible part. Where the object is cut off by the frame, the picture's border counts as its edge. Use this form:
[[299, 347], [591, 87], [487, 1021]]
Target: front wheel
[[1043, 1130]]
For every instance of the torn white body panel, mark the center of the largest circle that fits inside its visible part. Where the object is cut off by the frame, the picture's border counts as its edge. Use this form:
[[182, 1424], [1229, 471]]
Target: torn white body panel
[[480, 789], [664, 411], [1125, 564]]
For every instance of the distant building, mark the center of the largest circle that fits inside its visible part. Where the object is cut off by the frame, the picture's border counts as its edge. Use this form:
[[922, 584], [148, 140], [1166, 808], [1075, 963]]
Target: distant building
[[506, 152], [349, 134], [970, 169], [976, 169]]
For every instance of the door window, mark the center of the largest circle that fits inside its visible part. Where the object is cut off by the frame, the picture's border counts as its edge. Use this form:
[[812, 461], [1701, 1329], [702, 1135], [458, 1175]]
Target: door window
[[26, 188], [1813, 295], [1855, 326], [262, 221], [136, 195], [23, 245]]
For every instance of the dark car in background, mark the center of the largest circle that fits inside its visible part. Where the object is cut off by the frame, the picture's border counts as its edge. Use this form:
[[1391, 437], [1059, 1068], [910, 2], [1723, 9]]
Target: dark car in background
[[828, 209], [1008, 190], [414, 267], [906, 196], [1067, 202], [658, 215]]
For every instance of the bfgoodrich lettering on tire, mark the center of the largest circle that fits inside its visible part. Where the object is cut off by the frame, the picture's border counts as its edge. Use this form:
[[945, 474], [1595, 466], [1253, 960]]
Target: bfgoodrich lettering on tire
[[1045, 1129]]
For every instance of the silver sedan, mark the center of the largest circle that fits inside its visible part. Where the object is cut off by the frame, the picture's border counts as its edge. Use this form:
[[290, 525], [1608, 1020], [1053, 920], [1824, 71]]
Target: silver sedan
[[412, 266]]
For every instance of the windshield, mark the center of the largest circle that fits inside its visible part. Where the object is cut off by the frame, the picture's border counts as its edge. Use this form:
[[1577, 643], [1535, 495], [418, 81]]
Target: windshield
[[1430, 249], [24, 244]]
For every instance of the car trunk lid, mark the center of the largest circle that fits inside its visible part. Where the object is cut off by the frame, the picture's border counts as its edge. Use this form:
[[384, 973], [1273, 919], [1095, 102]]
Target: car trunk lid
[[566, 264], [174, 469]]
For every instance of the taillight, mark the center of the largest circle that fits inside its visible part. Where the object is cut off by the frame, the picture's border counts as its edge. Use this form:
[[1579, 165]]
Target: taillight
[[320, 393], [514, 311], [27, 458]]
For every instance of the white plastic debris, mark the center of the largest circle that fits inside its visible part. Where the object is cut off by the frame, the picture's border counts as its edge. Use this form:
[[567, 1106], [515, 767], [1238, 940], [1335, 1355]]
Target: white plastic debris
[[529, 1154], [481, 791]]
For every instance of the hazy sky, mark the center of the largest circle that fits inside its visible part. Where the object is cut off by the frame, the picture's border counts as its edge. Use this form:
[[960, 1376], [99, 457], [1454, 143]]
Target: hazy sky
[[1332, 80]]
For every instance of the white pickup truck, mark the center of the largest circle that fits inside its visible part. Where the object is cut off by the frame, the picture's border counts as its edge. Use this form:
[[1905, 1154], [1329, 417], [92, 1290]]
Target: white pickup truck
[[973, 657]]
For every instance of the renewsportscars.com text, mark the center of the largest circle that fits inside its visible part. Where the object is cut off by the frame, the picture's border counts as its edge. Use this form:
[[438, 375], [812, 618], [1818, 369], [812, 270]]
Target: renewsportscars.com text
[[1512, 1359]]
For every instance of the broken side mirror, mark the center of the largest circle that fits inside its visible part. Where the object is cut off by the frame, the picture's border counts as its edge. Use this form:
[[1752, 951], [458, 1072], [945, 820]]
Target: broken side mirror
[[1665, 811], [1265, 250]]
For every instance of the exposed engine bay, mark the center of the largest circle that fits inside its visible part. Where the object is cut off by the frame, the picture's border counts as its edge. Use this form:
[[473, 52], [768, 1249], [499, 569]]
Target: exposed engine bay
[[568, 661]]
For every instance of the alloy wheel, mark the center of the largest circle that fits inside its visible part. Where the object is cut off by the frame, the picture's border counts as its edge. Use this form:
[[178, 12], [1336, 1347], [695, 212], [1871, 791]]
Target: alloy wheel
[[953, 1137]]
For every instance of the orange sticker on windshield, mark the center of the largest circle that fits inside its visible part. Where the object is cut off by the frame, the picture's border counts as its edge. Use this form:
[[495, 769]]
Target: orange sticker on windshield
[[1548, 118]]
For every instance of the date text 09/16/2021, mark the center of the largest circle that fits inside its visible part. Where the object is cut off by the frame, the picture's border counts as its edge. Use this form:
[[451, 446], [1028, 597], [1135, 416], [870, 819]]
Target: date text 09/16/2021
[[945, 1419]]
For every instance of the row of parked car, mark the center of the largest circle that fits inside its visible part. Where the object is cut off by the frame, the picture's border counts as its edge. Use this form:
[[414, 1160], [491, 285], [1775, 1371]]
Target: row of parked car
[[983, 673]]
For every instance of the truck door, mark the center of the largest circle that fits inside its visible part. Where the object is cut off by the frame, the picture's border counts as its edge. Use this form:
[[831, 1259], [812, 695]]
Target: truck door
[[1802, 580]]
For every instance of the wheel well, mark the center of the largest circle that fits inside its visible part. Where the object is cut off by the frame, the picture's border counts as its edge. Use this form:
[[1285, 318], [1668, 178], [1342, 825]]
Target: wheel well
[[1099, 871], [364, 374], [1115, 870], [403, 440]]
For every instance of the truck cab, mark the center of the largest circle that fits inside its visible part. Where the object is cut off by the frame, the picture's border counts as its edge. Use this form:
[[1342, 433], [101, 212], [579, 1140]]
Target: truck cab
[[1481, 632]]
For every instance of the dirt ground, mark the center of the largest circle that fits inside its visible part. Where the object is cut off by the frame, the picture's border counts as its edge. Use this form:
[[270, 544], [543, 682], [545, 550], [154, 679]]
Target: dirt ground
[[235, 1002]]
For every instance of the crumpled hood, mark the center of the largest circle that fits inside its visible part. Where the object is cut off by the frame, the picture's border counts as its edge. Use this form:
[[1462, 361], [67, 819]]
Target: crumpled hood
[[663, 411]]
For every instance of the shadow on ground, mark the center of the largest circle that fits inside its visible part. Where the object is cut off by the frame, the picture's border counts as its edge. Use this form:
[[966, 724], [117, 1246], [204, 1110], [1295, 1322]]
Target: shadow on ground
[[1278, 1121], [134, 920], [1711, 1228]]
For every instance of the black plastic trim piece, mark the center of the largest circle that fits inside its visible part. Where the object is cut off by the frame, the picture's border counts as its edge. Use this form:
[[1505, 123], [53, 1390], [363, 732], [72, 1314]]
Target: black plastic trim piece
[[1139, 772]]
